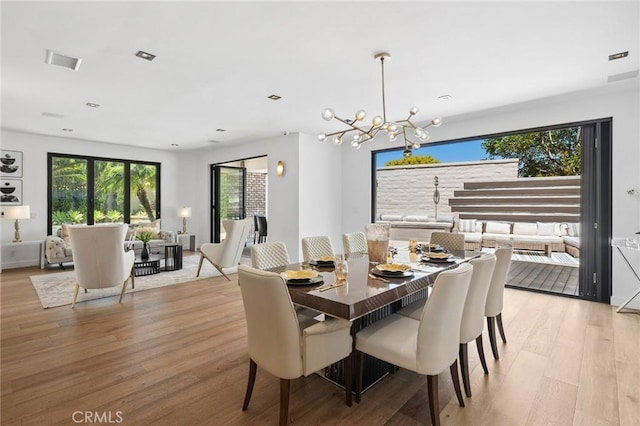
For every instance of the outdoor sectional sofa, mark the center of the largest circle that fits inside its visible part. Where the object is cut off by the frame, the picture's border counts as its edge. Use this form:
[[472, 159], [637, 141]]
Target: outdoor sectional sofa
[[550, 237], [416, 227]]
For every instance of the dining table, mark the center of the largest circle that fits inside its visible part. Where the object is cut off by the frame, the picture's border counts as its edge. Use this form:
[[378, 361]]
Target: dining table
[[367, 295]]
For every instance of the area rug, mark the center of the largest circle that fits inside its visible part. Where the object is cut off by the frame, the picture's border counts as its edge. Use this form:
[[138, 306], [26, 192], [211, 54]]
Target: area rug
[[57, 289], [556, 258]]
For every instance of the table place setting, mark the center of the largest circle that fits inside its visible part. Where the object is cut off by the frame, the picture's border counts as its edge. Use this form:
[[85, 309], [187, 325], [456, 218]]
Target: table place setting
[[302, 277]]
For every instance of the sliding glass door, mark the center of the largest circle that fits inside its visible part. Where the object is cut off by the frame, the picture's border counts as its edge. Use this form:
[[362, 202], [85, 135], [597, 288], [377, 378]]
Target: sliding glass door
[[228, 198]]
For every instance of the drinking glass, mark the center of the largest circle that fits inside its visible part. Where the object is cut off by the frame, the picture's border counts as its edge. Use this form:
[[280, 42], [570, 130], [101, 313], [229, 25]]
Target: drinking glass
[[341, 268]]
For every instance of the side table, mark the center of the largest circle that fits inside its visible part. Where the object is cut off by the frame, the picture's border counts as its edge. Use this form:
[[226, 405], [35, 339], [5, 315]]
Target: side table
[[633, 244], [146, 267], [172, 257], [188, 241]]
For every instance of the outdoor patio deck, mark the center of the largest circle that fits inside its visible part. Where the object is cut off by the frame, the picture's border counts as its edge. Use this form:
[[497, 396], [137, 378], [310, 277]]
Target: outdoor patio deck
[[552, 278]]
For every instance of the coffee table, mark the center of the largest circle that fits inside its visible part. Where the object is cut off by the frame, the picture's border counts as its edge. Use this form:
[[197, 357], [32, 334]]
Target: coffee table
[[146, 267], [172, 256]]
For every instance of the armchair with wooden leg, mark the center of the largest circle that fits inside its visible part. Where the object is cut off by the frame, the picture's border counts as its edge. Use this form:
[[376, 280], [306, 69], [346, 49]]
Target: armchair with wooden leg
[[99, 257], [276, 341], [428, 346], [227, 253]]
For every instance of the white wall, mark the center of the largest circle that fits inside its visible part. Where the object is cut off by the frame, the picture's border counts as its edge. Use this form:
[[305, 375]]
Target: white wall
[[34, 150], [620, 101]]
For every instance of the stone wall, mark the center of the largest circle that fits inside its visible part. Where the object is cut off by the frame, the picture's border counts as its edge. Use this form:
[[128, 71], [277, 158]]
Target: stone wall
[[408, 190], [255, 196]]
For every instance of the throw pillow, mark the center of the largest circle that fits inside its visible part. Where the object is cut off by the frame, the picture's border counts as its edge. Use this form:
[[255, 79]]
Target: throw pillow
[[391, 217], [498, 228], [468, 225], [546, 229], [445, 218], [64, 233], [525, 228], [416, 218], [574, 229]]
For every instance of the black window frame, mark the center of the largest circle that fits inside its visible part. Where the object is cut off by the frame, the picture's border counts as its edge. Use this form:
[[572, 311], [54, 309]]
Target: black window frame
[[90, 185]]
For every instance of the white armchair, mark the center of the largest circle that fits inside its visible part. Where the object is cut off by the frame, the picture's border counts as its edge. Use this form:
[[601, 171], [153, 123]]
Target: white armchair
[[226, 253], [99, 257]]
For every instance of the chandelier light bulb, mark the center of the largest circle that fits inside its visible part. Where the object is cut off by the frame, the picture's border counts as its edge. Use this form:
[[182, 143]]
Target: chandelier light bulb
[[419, 133], [392, 127], [416, 145], [356, 137], [322, 137], [377, 120], [414, 110], [337, 140], [425, 136], [358, 146], [355, 143], [360, 115], [393, 137], [328, 114], [407, 153], [436, 122]]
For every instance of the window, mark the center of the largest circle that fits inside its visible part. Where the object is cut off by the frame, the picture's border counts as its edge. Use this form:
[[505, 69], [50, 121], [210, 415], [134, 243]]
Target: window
[[89, 190]]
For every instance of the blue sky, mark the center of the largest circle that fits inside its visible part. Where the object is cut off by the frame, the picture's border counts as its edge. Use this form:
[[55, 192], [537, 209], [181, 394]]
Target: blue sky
[[446, 153]]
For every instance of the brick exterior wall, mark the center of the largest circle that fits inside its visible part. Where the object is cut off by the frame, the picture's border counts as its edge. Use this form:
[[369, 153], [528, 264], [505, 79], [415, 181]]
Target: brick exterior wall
[[408, 190], [256, 195]]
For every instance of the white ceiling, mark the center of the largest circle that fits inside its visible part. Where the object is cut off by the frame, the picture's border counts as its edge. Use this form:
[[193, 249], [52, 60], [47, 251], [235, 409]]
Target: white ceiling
[[218, 61]]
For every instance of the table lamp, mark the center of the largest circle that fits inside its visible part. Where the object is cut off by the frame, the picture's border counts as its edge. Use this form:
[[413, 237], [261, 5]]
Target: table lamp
[[184, 213], [17, 213]]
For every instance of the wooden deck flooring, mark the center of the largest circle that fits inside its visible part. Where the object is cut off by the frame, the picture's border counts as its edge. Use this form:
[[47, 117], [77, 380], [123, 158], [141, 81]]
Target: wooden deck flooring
[[544, 277]]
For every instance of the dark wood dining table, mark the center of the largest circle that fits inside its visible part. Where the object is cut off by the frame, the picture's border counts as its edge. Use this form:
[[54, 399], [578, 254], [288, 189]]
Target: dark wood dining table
[[364, 300]]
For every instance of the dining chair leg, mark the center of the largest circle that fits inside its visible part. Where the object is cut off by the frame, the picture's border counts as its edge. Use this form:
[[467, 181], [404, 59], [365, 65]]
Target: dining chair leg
[[348, 380], [252, 379], [491, 326], [464, 368], [501, 328], [200, 264], [456, 382], [434, 405], [357, 355], [284, 401], [480, 347]]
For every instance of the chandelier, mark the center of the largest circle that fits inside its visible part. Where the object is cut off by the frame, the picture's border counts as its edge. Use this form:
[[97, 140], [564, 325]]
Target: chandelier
[[404, 128]]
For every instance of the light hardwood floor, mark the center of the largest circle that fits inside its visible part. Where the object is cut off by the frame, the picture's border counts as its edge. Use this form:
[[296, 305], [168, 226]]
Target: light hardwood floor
[[177, 356]]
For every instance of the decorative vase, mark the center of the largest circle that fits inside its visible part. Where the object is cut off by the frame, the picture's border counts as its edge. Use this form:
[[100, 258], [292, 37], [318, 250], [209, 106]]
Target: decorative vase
[[145, 252], [377, 241]]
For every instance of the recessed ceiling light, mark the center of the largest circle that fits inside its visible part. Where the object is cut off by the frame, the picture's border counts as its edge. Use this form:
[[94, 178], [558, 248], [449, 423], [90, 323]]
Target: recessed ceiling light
[[92, 105], [274, 97], [67, 130], [52, 115], [618, 55], [174, 144], [444, 97], [53, 58], [145, 55], [221, 130]]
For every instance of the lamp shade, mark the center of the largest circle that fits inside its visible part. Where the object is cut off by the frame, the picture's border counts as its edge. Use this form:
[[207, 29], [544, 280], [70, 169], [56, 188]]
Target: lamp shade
[[17, 212], [184, 212]]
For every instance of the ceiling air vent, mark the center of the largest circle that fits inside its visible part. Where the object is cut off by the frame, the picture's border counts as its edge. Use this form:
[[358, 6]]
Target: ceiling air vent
[[61, 60]]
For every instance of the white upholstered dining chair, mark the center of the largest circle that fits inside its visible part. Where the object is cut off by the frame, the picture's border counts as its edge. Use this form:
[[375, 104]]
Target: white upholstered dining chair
[[226, 253], [276, 341], [269, 255], [314, 247], [427, 346], [99, 257], [493, 307], [354, 242]]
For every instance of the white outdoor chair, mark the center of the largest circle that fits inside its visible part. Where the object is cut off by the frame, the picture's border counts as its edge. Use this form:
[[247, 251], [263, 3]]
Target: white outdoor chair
[[99, 257], [228, 252], [355, 242], [493, 307], [427, 346], [278, 344], [314, 247]]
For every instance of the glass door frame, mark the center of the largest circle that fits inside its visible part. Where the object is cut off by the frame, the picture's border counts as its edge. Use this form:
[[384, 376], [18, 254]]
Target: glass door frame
[[215, 172]]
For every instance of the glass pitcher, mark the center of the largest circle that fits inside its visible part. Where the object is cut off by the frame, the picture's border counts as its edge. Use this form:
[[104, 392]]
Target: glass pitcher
[[377, 241]]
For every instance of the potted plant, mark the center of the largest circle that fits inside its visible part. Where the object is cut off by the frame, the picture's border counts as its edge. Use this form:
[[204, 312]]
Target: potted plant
[[145, 237]]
